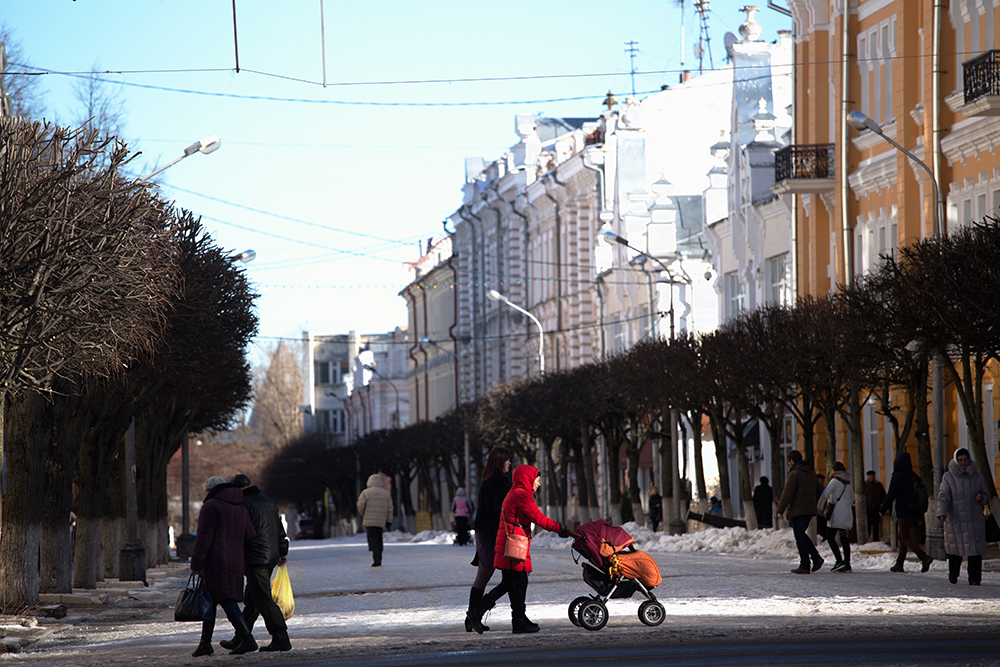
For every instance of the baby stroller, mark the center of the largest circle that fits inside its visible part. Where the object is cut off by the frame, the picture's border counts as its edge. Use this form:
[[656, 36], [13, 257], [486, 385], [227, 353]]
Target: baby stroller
[[614, 568]]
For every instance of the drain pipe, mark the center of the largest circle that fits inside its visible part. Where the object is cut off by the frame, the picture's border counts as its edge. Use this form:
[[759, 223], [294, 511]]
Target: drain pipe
[[475, 304], [527, 255], [558, 253], [501, 342], [845, 143], [411, 301]]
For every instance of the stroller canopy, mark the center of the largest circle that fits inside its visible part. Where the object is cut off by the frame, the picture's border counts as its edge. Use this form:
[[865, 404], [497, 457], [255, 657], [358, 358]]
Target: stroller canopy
[[598, 540]]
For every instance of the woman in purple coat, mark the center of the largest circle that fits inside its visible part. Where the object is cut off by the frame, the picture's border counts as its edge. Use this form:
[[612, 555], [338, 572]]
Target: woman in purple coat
[[223, 526]]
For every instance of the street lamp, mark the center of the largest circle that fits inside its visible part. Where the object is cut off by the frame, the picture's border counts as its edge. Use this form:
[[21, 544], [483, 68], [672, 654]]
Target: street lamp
[[206, 145], [497, 296], [395, 417], [677, 525], [861, 122]]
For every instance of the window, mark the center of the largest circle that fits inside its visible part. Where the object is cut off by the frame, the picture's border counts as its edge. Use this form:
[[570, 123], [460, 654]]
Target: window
[[733, 295], [331, 421], [778, 287], [328, 372]]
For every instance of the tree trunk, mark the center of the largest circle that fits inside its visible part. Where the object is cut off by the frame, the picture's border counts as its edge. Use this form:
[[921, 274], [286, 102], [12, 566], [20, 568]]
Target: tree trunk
[[634, 496], [56, 557], [858, 469], [775, 429], [699, 463], [28, 430], [722, 460], [589, 467], [746, 490], [614, 483], [111, 540]]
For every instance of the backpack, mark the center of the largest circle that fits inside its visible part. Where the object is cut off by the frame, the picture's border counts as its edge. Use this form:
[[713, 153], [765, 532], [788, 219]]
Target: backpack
[[918, 495]]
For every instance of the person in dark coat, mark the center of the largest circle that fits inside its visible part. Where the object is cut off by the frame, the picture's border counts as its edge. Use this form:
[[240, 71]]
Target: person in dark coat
[[492, 491], [874, 495], [223, 527], [519, 509], [262, 554], [961, 498], [655, 507], [763, 496], [907, 516], [798, 500]]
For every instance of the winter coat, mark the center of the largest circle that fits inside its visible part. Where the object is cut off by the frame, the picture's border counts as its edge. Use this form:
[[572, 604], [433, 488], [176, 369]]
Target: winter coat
[[491, 495], [519, 508], [965, 526], [839, 490], [271, 542], [375, 504], [763, 496], [801, 492], [224, 526], [460, 505], [874, 495], [900, 488]]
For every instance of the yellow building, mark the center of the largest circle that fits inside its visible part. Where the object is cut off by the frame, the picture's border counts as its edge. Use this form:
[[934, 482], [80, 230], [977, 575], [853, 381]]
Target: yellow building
[[927, 73]]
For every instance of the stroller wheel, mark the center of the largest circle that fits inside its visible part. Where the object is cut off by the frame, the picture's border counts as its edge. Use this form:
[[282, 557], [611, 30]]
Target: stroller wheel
[[651, 613], [574, 609], [593, 615]]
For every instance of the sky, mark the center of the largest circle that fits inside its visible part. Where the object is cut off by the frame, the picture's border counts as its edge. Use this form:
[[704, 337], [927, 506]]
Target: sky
[[337, 186]]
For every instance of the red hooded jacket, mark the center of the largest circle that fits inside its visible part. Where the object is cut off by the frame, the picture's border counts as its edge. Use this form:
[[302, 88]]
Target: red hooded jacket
[[519, 508]]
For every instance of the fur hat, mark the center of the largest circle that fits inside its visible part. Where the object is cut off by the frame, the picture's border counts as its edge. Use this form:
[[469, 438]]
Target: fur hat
[[213, 482]]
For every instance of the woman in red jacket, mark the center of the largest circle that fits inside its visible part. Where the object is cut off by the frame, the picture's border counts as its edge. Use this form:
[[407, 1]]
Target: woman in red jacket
[[519, 509]]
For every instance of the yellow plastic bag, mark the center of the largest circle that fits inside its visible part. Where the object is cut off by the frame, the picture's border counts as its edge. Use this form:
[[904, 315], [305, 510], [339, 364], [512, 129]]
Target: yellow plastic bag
[[281, 592]]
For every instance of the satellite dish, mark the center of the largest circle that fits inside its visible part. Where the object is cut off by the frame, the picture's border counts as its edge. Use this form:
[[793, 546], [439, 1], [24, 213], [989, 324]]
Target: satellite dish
[[729, 39]]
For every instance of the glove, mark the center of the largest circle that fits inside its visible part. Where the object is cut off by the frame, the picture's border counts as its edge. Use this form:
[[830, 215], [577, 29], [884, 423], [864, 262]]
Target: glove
[[563, 532]]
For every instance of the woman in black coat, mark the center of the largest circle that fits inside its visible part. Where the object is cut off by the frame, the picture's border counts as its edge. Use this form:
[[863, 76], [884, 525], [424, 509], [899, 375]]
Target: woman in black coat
[[492, 491], [223, 526]]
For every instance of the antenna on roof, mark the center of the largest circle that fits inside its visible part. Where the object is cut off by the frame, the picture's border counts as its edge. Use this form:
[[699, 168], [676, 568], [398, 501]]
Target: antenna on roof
[[632, 48]]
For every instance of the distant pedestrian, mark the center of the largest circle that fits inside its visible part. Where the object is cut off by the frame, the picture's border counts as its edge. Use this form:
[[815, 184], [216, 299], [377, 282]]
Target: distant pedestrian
[[763, 497], [908, 515], [874, 495], [961, 498], [223, 527], [492, 491], [375, 507], [655, 507], [262, 554], [461, 507], [798, 500], [291, 521], [838, 492]]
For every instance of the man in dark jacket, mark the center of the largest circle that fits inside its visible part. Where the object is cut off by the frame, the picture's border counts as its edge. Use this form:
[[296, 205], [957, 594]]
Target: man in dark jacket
[[907, 516], [763, 496], [874, 495], [798, 500], [262, 554]]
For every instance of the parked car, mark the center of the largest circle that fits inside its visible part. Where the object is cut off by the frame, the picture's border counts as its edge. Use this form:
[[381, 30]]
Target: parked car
[[306, 529]]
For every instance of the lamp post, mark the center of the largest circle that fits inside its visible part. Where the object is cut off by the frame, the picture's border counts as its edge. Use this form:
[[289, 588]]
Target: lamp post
[[677, 525], [205, 145], [935, 535], [497, 296], [395, 417]]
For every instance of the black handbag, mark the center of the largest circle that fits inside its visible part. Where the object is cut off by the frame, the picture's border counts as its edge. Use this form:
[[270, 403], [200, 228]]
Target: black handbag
[[194, 603]]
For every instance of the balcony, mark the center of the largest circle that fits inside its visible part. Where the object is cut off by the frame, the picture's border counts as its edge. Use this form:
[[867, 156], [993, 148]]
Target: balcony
[[804, 169], [982, 85]]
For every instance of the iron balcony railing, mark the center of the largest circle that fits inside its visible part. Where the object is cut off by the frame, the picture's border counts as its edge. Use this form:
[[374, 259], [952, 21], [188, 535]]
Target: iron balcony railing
[[982, 76], [804, 161]]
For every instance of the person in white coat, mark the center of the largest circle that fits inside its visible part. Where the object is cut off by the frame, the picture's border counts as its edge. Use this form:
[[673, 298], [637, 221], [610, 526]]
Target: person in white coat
[[961, 499], [839, 492]]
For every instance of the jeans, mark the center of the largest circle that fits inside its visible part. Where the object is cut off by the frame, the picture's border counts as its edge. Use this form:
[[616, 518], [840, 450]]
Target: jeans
[[375, 543], [807, 550], [831, 538]]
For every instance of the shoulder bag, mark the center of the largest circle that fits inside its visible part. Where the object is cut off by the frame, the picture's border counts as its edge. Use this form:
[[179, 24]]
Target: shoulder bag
[[194, 603], [516, 546]]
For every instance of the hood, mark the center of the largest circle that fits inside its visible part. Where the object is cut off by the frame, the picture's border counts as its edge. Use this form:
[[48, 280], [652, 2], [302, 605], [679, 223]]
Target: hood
[[843, 476], [375, 480], [524, 477], [902, 462], [227, 493], [958, 470], [460, 491]]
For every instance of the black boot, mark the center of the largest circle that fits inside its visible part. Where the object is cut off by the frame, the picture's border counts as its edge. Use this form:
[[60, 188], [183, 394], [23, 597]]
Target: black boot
[[230, 644], [520, 624], [205, 644], [247, 643], [475, 597], [475, 617]]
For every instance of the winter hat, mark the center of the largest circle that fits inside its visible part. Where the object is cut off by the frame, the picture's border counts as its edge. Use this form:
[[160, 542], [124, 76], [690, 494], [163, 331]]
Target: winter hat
[[241, 481], [460, 491], [213, 482]]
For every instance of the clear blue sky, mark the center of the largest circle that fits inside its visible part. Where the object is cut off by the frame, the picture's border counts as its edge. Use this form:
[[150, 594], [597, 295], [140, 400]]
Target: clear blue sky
[[336, 186]]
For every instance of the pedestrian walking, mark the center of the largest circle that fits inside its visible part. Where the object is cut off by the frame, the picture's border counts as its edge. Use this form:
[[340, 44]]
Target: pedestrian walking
[[763, 497], [902, 494], [874, 495], [961, 498], [798, 500], [291, 521], [461, 509], [838, 492], [261, 555], [655, 507], [519, 510], [492, 492], [375, 508], [223, 527]]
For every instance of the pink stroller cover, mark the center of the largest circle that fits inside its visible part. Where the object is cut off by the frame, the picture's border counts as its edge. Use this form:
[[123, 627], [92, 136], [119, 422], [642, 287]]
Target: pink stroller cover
[[598, 540]]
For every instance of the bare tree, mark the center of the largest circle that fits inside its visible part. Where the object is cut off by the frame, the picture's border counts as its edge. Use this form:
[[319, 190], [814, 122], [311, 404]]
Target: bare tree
[[23, 89], [98, 107], [276, 418]]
